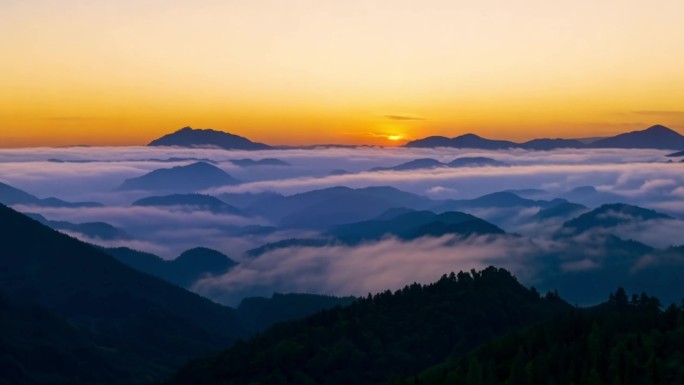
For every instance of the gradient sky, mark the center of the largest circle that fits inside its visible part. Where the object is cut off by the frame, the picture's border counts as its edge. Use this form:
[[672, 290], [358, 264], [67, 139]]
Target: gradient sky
[[332, 71]]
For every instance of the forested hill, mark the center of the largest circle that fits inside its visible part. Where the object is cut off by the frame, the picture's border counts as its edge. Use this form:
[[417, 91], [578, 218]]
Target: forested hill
[[620, 342], [388, 335]]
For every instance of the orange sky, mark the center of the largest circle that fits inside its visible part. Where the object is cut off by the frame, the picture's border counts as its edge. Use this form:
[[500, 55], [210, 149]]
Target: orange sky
[[327, 71]]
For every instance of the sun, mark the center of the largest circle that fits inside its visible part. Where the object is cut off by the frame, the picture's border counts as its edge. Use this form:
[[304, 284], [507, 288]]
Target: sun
[[395, 138]]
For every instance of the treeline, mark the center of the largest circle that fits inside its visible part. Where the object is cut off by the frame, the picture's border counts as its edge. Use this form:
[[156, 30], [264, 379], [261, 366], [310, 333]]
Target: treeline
[[387, 335], [623, 341]]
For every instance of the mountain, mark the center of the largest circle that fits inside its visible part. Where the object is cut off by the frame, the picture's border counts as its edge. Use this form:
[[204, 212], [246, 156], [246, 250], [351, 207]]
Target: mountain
[[321, 209], [189, 137], [94, 230], [590, 196], [195, 201], [609, 215], [463, 141], [676, 154], [659, 137], [260, 162], [183, 271], [563, 210], [413, 225], [427, 163], [382, 336], [552, 144], [150, 325], [244, 200], [622, 341], [503, 199], [189, 178], [416, 164], [477, 161], [13, 196]]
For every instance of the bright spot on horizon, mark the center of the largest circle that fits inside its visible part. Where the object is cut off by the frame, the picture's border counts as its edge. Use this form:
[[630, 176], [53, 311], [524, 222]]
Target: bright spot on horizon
[[394, 138]]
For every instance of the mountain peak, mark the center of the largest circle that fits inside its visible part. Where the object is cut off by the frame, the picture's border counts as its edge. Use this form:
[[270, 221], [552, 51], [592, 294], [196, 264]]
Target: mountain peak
[[658, 128], [191, 137]]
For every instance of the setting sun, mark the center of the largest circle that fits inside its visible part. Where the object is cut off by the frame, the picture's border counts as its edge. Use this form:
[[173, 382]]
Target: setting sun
[[395, 138]]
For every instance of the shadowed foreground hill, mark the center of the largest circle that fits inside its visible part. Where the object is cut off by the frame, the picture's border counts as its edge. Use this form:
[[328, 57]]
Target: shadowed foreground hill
[[619, 342], [149, 325], [386, 335]]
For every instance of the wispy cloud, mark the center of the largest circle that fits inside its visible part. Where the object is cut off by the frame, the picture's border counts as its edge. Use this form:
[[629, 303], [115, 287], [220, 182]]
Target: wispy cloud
[[664, 113], [403, 117]]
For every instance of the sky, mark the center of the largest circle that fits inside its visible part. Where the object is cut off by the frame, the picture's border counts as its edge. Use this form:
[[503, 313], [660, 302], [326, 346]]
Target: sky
[[326, 71]]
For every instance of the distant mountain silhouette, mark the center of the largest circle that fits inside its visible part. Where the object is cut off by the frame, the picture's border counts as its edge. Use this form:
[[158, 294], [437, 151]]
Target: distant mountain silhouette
[[501, 199], [414, 225], [260, 162], [478, 161], [183, 271], [609, 215], [590, 196], [13, 196], [189, 137], [658, 136], [189, 178], [676, 154], [94, 230], [320, 209], [195, 201], [551, 144], [563, 211], [416, 164], [427, 163], [244, 200], [150, 326], [463, 141]]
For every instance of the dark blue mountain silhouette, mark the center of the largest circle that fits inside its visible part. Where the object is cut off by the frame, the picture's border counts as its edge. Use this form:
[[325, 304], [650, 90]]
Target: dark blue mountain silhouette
[[194, 201], [189, 178], [657, 136], [189, 137]]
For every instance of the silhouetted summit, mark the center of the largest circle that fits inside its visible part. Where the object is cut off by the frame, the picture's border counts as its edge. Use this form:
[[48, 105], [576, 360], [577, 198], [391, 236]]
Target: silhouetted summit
[[189, 137], [463, 141], [610, 215], [192, 177], [659, 137]]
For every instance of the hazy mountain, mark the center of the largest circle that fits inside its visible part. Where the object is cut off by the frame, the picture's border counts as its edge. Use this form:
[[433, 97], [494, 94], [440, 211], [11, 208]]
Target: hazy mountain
[[260, 162], [150, 324], [291, 242], [463, 141], [610, 215], [382, 336], [477, 161], [552, 144], [320, 209], [590, 196], [244, 200], [676, 154], [528, 192], [501, 199], [183, 271], [414, 225], [195, 201], [13, 196], [416, 164], [95, 230], [189, 137], [426, 163], [189, 178], [563, 211], [658, 136]]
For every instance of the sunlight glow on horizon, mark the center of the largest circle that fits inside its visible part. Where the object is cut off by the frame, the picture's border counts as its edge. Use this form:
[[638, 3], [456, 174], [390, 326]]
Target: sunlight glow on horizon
[[310, 71]]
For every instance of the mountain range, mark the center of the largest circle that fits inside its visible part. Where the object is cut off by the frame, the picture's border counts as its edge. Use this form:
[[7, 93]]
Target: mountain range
[[427, 163], [657, 137], [10, 195]]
